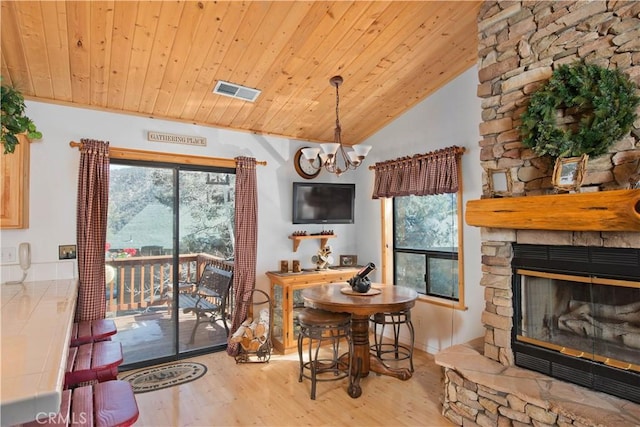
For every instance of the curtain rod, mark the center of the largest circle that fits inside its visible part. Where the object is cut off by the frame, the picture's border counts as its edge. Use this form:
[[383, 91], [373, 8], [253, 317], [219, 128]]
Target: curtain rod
[[149, 155], [456, 150]]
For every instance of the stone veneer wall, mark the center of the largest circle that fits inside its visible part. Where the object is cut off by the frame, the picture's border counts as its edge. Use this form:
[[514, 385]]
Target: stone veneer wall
[[520, 44]]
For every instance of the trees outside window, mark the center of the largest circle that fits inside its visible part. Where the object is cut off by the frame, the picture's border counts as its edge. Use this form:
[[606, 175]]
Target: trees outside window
[[425, 234]]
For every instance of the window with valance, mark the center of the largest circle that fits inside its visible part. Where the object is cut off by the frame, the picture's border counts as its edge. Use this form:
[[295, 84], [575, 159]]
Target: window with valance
[[425, 190]]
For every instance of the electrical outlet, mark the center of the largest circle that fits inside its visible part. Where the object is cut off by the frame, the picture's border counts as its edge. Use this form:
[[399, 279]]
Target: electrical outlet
[[8, 256]]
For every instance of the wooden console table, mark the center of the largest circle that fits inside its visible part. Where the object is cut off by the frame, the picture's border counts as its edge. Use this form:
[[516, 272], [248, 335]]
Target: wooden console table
[[286, 298]]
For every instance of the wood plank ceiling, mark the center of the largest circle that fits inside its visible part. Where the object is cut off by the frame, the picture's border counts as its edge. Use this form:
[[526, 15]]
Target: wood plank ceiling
[[162, 59]]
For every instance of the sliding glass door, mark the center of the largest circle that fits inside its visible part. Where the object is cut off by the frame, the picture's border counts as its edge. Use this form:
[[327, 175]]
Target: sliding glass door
[[165, 223]]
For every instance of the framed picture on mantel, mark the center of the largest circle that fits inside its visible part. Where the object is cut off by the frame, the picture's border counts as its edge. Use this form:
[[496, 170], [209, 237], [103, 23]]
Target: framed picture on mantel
[[348, 260], [568, 173], [499, 182]]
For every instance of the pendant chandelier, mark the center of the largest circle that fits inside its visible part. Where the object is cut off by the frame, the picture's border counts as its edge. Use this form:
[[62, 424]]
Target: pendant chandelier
[[335, 158]]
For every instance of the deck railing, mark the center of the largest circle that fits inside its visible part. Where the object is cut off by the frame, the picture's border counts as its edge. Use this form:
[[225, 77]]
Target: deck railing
[[142, 282]]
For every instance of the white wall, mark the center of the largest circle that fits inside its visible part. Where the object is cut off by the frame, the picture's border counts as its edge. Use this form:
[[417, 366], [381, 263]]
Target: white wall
[[54, 169], [449, 117]]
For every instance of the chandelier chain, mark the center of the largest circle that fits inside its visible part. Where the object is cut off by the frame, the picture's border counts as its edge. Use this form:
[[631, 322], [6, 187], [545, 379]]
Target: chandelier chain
[[337, 107]]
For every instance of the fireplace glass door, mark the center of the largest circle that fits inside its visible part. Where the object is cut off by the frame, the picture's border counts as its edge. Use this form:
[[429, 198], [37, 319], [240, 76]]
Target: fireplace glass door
[[584, 317]]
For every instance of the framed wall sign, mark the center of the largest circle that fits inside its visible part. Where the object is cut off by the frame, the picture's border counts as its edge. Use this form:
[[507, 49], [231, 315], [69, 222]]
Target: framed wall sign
[[176, 139]]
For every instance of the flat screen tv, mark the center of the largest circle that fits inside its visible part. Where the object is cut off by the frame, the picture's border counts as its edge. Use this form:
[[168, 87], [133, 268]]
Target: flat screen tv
[[323, 203]]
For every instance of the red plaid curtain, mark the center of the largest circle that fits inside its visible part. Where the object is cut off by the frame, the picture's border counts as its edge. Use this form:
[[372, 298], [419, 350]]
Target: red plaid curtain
[[246, 227], [93, 201], [420, 175]]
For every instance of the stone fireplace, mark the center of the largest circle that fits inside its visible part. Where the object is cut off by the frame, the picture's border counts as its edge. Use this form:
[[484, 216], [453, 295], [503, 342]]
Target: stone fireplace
[[490, 381]]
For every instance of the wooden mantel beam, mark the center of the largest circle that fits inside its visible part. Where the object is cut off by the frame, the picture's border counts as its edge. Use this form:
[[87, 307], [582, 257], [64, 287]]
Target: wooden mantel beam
[[616, 210]]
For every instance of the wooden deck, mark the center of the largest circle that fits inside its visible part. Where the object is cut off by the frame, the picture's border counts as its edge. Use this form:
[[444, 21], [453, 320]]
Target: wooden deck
[[138, 294], [149, 334]]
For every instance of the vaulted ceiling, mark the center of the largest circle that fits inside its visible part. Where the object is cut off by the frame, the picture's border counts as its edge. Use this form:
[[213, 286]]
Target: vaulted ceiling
[[163, 58]]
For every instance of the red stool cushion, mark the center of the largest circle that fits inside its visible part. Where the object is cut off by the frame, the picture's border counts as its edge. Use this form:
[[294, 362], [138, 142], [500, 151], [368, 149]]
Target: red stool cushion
[[114, 404], [108, 404], [92, 330], [96, 361]]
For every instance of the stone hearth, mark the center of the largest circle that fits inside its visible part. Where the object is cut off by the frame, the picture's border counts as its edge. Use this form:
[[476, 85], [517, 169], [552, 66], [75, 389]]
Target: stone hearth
[[494, 394]]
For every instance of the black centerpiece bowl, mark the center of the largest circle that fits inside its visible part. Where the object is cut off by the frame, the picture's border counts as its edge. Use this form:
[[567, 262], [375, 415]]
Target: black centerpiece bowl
[[360, 284]]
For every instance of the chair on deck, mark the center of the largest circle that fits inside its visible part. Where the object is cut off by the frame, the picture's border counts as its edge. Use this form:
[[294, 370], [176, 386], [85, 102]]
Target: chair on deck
[[209, 299]]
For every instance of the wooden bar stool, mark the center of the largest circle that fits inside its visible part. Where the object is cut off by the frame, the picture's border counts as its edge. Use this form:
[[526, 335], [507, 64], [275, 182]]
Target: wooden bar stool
[[108, 404], [393, 351], [96, 361], [91, 331], [318, 327]]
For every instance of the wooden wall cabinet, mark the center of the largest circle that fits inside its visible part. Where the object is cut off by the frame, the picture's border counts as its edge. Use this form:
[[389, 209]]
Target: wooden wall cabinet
[[286, 297], [14, 186]]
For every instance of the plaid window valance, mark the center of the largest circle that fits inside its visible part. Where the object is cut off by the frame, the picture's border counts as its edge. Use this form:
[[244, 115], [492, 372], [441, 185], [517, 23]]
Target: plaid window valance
[[420, 175]]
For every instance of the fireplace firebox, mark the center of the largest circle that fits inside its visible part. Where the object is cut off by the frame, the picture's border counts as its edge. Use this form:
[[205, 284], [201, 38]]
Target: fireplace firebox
[[577, 315]]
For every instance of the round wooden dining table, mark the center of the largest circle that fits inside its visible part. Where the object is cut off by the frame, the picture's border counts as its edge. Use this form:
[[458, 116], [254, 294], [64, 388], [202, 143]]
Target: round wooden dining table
[[382, 298]]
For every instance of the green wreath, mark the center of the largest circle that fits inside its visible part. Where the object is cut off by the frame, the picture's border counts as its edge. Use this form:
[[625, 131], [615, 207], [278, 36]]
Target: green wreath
[[603, 101]]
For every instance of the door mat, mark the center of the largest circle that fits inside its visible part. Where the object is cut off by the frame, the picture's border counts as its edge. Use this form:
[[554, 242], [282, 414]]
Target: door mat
[[159, 377]]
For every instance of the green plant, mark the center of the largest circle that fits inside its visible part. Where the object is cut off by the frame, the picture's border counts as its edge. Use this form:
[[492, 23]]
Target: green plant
[[14, 121], [603, 101]]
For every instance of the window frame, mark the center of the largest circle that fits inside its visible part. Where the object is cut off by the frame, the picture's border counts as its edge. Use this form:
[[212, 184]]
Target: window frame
[[427, 256], [170, 158], [388, 253]]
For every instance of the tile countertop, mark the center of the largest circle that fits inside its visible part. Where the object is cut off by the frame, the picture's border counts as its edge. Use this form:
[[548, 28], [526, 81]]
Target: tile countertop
[[37, 318]]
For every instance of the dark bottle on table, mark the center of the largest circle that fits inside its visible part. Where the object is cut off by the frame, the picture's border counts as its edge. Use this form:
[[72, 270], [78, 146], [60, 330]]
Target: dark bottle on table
[[360, 282], [364, 272]]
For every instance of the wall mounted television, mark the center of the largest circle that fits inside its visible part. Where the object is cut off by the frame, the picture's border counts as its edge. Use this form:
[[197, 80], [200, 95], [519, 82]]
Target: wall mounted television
[[323, 203]]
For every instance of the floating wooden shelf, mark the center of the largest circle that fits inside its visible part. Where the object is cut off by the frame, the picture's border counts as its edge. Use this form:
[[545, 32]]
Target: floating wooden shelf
[[617, 210], [323, 240]]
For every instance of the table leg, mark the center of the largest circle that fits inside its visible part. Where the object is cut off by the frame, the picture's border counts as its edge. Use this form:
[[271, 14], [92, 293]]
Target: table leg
[[364, 361], [360, 338]]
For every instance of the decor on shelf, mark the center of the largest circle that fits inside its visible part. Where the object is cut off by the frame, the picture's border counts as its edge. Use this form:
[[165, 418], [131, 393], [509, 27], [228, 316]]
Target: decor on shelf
[[284, 266], [568, 173], [348, 260], [602, 101], [329, 157], [323, 259], [14, 122]]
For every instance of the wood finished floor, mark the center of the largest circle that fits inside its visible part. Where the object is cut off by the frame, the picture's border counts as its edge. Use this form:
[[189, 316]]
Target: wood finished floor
[[269, 394]]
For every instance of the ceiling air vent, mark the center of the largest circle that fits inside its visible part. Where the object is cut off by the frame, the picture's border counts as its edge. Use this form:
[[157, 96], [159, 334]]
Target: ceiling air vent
[[236, 91]]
